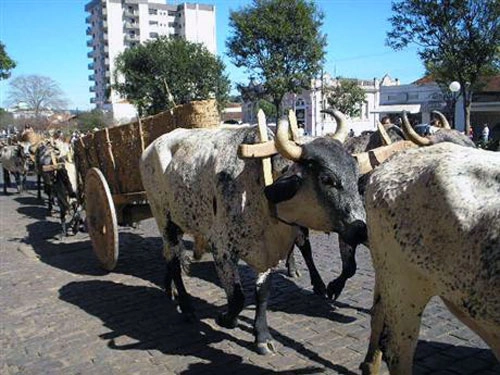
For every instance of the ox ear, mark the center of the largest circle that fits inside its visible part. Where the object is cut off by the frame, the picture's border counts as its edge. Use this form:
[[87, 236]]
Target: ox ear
[[283, 189]]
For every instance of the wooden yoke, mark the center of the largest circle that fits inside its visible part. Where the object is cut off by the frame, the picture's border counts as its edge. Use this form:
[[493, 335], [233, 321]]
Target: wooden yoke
[[266, 162]]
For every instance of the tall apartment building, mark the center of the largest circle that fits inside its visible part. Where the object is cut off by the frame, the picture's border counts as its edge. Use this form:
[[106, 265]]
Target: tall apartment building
[[114, 25]]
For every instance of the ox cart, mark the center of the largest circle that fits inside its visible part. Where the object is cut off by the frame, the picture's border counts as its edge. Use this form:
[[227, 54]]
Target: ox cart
[[107, 163]]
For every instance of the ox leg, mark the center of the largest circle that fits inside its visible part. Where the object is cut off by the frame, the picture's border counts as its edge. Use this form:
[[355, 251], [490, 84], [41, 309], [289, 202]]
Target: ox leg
[[373, 358], [19, 182], [304, 245], [6, 180], [348, 256], [63, 211], [38, 186], [291, 265], [263, 338], [396, 321], [226, 265], [173, 251], [23, 181]]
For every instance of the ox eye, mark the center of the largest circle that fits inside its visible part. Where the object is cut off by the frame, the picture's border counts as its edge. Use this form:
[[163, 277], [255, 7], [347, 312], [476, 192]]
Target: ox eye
[[330, 181]]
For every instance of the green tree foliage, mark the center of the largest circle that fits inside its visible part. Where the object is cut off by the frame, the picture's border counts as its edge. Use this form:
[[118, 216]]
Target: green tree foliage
[[280, 43], [458, 39], [160, 73], [6, 63], [346, 96], [93, 119], [36, 92]]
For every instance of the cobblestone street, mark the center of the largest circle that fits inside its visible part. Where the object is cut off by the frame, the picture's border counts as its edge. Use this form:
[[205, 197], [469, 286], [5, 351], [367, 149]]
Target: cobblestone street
[[62, 314]]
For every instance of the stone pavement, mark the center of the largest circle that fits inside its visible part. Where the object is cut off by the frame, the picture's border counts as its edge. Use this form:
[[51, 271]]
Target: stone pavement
[[61, 314]]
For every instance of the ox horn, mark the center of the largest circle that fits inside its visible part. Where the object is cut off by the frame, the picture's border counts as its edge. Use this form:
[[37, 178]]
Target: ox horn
[[288, 149], [443, 119], [383, 134], [411, 134], [341, 132]]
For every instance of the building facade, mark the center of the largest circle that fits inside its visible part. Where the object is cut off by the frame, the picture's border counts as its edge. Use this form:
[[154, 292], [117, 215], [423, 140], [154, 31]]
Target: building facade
[[308, 105], [115, 25]]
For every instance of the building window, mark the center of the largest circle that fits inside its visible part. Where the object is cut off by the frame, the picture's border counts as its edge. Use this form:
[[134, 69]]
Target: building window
[[153, 35], [172, 13], [392, 98], [153, 23], [300, 102], [153, 11]]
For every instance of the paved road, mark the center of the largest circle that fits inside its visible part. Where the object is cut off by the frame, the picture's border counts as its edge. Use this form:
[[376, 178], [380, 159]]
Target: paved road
[[61, 314]]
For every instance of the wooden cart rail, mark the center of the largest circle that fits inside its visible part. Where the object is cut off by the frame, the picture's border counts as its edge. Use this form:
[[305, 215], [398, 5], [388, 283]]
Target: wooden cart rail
[[116, 151]]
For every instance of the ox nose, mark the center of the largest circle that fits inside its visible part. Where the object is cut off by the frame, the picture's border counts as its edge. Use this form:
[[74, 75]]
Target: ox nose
[[356, 233]]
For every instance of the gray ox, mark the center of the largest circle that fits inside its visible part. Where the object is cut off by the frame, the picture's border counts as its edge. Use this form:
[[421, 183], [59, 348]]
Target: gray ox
[[367, 142], [14, 161], [433, 218], [196, 184]]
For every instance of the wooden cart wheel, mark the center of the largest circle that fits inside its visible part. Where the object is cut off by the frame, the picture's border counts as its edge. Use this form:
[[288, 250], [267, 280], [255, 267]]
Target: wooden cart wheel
[[101, 218]]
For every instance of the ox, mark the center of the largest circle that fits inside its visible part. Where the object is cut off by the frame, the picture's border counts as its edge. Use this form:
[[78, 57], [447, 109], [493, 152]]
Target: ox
[[433, 218], [14, 161], [367, 142], [354, 145], [54, 162], [196, 184]]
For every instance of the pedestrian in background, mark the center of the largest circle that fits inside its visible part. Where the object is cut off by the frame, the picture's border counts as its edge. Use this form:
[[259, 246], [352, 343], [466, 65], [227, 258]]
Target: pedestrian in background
[[485, 134]]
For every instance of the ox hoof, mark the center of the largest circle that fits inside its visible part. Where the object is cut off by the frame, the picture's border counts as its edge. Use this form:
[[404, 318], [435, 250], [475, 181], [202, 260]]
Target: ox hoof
[[266, 348], [335, 288], [320, 289], [368, 368], [293, 273], [227, 322]]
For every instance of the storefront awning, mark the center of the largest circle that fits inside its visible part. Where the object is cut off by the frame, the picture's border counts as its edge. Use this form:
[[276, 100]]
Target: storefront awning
[[398, 108]]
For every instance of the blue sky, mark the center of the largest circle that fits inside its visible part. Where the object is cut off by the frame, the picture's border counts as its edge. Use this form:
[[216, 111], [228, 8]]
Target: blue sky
[[47, 37]]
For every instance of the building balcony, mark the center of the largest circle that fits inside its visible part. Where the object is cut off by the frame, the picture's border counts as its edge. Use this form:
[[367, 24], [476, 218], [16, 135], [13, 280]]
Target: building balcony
[[90, 66], [93, 100], [92, 77], [88, 31], [92, 88], [104, 25], [130, 13], [132, 25], [132, 38], [89, 43], [90, 55], [88, 19]]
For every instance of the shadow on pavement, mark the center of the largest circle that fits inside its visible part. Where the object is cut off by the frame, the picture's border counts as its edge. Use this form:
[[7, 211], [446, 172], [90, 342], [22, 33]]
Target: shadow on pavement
[[148, 317]]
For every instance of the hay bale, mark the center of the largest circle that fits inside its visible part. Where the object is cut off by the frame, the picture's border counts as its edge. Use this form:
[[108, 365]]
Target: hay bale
[[197, 114]]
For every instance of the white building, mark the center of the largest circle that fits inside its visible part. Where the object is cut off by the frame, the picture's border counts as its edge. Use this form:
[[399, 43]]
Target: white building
[[115, 25], [309, 103]]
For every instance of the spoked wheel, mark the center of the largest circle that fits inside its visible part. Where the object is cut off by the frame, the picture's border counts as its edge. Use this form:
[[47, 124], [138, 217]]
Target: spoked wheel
[[101, 219]]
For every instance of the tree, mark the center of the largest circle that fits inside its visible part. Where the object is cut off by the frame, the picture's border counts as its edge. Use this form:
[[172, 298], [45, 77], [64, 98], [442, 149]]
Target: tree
[[6, 63], [36, 92], [280, 43], [346, 96], [93, 119], [167, 71], [458, 40]]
